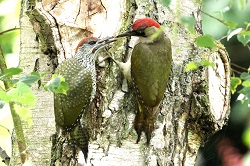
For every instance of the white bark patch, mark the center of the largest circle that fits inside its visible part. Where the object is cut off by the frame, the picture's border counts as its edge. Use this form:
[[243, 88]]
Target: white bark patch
[[126, 155], [114, 104], [217, 85]]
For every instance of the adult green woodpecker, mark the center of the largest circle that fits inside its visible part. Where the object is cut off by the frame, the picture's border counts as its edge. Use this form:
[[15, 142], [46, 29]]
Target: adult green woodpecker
[[80, 74], [150, 67]]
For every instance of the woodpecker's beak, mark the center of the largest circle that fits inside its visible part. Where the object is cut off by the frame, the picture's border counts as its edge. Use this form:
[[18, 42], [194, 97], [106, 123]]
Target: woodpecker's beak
[[102, 42], [127, 33], [106, 40], [139, 32]]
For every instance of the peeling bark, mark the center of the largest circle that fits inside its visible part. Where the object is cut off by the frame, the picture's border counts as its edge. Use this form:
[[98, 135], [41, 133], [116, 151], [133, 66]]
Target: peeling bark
[[195, 104]]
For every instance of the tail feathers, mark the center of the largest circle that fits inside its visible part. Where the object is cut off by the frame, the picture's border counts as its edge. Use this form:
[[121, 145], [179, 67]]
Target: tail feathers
[[144, 121], [85, 151], [148, 129], [138, 125], [80, 137]]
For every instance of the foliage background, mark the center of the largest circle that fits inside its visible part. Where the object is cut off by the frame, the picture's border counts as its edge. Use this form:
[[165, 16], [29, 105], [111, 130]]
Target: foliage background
[[237, 11], [10, 43]]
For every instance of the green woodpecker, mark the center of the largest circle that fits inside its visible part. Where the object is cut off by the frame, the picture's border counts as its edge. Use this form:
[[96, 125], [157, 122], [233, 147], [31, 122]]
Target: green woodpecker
[[149, 68], [80, 74]]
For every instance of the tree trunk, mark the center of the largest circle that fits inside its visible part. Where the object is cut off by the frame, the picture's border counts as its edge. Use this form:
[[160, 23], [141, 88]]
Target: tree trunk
[[195, 104]]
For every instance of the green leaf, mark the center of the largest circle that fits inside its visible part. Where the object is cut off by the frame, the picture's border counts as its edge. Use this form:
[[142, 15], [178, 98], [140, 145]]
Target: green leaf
[[246, 83], [57, 85], [231, 3], [244, 39], [247, 33], [207, 63], [189, 23], [12, 71], [247, 23], [191, 66], [244, 76], [205, 41], [38, 74], [53, 84], [35, 74], [29, 79], [235, 82], [245, 91], [22, 94], [24, 113], [27, 99], [13, 81], [166, 2], [230, 24], [26, 94], [241, 4], [43, 74], [246, 137], [4, 96], [63, 88]]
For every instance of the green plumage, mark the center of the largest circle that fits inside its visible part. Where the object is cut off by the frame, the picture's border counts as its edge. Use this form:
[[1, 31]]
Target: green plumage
[[80, 74], [68, 108], [150, 70]]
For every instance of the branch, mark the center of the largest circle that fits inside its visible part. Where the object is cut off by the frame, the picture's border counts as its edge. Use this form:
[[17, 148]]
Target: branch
[[9, 30], [5, 128], [212, 17], [16, 119], [239, 67]]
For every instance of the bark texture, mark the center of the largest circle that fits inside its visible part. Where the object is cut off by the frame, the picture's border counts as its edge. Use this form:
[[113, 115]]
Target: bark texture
[[195, 104]]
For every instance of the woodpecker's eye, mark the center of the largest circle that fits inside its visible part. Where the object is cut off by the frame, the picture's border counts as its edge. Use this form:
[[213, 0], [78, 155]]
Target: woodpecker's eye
[[140, 31], [92, 42]]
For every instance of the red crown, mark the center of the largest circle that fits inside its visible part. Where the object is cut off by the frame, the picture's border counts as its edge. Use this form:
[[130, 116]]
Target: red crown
[[149, 22], [84, 40]]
